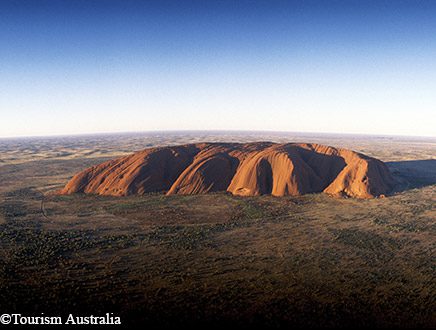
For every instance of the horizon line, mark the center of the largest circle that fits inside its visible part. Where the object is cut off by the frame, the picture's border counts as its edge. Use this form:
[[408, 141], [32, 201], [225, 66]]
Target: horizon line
[[206, 131]]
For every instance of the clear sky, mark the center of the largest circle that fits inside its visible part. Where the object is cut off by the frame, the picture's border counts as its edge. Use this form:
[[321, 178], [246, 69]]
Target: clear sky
[[70, 67]]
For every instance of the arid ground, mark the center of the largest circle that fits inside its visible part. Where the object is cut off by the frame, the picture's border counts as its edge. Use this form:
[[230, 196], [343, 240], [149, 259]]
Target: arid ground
[[217, 259]]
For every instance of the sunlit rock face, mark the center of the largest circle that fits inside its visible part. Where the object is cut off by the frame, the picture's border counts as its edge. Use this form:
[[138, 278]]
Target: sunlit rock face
[[249, 169]]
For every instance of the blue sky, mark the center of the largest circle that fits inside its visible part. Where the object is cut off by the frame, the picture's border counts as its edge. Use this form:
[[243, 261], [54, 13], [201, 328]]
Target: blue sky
[[69, 67]]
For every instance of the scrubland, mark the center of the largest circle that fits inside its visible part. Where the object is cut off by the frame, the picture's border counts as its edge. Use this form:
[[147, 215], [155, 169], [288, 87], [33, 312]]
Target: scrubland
[[216, 259]]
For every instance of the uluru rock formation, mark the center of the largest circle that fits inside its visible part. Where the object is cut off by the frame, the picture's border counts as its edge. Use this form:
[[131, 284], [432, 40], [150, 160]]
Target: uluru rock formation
[[248, 169]]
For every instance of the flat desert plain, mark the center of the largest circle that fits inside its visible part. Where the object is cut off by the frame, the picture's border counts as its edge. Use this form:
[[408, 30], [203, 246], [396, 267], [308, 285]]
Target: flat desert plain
[[217, 259]]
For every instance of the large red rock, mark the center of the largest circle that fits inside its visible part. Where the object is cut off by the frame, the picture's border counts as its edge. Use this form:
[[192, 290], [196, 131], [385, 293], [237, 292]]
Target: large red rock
[[242, 169]]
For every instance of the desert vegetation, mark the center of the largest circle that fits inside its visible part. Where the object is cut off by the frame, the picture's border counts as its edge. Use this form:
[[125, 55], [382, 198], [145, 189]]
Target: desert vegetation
[[208, 259]]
